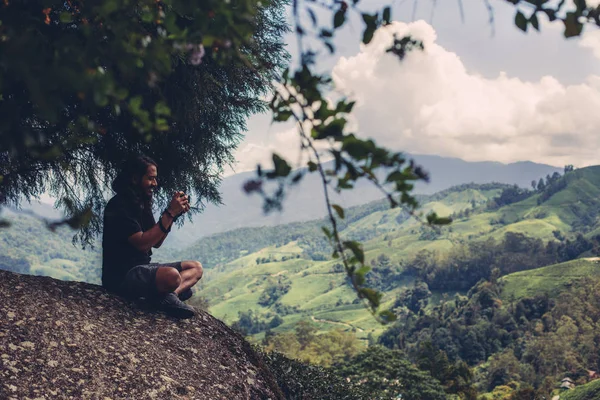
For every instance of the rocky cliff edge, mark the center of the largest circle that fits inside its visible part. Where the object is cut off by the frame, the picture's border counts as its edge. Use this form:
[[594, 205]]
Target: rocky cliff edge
[[72, 340]]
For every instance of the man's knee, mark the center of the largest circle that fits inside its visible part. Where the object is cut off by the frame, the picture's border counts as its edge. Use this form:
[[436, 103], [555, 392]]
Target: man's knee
[[196, 267], [199, 269], [167, 279]]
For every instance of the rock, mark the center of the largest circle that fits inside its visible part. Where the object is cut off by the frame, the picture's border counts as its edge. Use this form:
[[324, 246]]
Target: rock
[[62, 340]]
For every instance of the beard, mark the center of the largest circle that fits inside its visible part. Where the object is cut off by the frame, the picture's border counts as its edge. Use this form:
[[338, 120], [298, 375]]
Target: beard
[[145, 195]]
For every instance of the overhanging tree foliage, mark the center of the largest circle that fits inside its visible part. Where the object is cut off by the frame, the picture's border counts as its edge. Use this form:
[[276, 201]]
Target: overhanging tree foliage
[[85, 84]]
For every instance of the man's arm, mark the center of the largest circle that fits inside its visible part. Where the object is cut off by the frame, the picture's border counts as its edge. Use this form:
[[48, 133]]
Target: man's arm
[[157, 245], [153, 237]]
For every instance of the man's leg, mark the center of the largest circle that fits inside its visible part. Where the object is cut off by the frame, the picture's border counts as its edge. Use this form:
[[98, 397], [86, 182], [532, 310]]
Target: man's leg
[[158, 282], [169, 279], [191, 273]]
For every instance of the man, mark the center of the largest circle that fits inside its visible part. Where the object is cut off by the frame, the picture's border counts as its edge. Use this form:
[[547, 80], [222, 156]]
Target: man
[[130, 232]]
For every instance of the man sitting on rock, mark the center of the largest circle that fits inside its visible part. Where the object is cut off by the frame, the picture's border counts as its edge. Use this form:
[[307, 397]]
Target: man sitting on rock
[[130, 232]]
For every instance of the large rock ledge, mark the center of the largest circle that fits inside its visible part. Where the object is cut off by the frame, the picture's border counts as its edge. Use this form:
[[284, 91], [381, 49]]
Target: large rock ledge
[[71, 340]]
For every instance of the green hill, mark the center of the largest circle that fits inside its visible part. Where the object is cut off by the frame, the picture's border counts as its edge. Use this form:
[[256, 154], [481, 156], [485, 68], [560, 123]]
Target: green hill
[[550, 280], [295, 266], [27, 246], [590, 391]]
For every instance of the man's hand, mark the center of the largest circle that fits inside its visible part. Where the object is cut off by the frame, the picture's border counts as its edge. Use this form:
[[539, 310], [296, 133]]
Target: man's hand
[[179, 204]]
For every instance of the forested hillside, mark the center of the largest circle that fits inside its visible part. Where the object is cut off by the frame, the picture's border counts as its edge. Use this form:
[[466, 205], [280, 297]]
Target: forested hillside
[[504, 302], [29, 247], [496, 228]]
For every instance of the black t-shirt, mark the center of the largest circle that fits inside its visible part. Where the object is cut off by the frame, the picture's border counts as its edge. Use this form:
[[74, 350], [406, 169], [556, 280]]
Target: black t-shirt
[[122, 218]]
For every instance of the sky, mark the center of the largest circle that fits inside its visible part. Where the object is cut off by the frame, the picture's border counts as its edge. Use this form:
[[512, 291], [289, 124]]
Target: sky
[[477, 92]]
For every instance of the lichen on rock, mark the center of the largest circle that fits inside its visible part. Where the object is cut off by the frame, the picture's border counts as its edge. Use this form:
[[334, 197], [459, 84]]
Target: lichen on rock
[[75, 340]]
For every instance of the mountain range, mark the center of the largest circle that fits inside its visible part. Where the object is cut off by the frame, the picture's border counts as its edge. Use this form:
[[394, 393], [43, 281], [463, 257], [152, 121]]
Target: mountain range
[[305, 200]]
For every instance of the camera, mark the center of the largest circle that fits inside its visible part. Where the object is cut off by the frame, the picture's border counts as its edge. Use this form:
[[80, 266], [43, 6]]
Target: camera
[[189, 197]]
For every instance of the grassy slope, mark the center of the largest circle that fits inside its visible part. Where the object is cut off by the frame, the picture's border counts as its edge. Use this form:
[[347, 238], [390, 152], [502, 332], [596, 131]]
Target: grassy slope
[[48, 253], [549, 280], [590, 391], [317, 292]]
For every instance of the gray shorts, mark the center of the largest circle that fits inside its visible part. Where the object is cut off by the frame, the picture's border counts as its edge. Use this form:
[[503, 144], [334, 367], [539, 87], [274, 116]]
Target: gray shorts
[[140, 280]]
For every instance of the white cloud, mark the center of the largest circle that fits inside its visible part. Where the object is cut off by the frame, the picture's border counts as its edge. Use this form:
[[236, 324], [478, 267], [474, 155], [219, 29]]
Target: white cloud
[[285, 142], [591, 40], [250, 153], [430, 103]]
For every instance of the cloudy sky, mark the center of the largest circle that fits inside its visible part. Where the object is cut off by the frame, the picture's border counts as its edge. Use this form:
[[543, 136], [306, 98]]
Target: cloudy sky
[[476, 92]]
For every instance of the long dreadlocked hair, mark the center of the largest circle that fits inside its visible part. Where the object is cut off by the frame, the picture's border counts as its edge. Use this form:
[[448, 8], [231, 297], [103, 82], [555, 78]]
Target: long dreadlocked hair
[[135, 167]]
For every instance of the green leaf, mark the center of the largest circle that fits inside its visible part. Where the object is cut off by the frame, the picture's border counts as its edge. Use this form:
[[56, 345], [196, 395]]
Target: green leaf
[[327, 232], [111, 6], [359, 149], [339, 210], [282, 168], [368, 35], [330, 47], [534, 22], [356, 250], [387, 15], [363, 270], [433, 219], [370, 26], [326, 33], [344, 107], [334, 129], [521, 21], [297, 177], [359, 275], [551, 14], [572, 25], [121, 93], [443, 221], [100, 99], [396, 176], [373, 296], [387, 316], [282, 115], [147, 17], [161, 125], [161, 108], [66, 17], [339, 18], [135, 103], [313, 17], [312, 167]]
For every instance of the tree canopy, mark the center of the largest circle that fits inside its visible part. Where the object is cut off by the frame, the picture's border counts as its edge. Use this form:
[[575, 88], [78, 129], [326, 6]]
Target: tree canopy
[[85, 84]]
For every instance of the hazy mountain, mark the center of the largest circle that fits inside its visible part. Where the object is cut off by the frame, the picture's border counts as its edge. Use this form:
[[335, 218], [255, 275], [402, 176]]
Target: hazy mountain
[[305, 201]]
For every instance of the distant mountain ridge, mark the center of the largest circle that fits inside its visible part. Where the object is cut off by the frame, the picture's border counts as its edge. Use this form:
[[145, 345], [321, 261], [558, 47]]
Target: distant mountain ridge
[[305, 201]]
